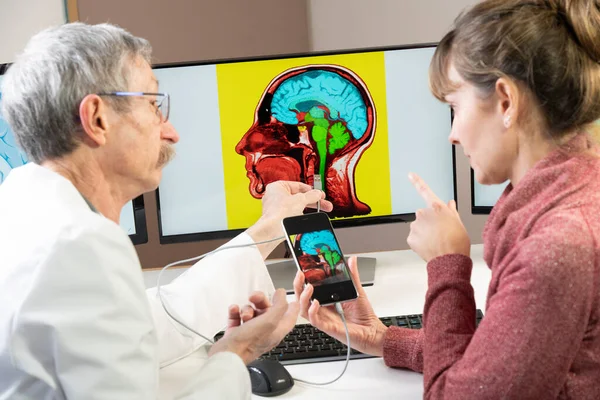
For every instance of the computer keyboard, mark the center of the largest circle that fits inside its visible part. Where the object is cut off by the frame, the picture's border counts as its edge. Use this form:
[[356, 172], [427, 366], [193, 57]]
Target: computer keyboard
[[306, 344]]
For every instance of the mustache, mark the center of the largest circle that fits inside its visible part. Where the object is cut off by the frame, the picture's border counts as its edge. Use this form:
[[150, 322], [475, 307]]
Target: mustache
[[167, 153]]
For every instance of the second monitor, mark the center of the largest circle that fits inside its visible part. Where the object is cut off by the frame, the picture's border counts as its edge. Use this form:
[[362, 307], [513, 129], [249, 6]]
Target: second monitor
[[361, 120]]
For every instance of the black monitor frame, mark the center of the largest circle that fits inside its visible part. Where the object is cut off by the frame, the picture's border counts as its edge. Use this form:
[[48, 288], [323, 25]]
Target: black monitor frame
[[363, 221], [475, 209], [139, 212], [139, 216]]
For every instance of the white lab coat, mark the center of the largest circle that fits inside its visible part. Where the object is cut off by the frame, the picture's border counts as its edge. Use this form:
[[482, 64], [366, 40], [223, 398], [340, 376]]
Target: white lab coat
[[75, 319]]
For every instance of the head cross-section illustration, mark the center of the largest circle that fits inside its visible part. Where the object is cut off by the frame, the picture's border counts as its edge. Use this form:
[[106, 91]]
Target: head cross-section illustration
[[316, 119]]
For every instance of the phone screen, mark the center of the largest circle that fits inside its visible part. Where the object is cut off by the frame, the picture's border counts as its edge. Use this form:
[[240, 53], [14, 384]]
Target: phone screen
[[318, 255]]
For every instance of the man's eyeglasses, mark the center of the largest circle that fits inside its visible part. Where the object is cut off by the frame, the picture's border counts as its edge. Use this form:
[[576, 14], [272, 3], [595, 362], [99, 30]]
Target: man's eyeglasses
[[162, 102]]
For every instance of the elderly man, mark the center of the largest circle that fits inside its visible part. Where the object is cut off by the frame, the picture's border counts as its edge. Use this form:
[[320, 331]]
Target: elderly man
[[75, 321]]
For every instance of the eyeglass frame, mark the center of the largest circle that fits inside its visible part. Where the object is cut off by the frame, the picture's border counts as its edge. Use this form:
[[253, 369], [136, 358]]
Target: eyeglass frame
[[159, 113]]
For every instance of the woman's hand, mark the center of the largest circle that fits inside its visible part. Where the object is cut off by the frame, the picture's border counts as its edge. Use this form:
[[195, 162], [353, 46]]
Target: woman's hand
[[365, 328], [438, 229]]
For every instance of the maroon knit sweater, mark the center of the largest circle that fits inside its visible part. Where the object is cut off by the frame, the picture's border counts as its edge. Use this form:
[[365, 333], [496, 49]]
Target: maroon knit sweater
[[540, 337]]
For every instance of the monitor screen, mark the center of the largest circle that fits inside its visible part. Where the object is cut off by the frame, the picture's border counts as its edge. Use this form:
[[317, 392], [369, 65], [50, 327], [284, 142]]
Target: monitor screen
[[359, 120], [484, 197], [133, 218]]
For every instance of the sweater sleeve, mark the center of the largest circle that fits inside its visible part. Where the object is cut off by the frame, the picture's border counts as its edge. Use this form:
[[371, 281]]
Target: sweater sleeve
[[403, 348], [532, 329]]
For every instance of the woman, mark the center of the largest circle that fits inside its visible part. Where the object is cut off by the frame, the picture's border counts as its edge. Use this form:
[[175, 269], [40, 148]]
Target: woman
[[523, 79]]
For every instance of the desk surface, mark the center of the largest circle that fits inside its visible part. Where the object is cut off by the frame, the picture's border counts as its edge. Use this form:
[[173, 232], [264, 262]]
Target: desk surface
[[400, 286]]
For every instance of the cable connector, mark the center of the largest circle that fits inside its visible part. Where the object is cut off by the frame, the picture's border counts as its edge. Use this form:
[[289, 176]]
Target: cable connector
[[318, 184]]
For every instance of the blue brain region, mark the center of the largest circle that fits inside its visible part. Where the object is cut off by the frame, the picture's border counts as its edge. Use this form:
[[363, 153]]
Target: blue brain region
[[10, 155], [311, 242], [313, 92], [321, 258]]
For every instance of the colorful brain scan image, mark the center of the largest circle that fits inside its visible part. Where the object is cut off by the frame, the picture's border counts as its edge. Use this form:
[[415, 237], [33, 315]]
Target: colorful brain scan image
[[10, 155], [312, 120], [320, 257]]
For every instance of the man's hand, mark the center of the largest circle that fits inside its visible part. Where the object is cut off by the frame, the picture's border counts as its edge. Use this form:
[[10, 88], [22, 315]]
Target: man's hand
[[259, 303], [283, 199], [438, 229], [264, 327]]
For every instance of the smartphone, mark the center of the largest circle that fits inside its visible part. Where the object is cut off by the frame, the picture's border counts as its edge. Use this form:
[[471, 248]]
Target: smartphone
[[317, 254]]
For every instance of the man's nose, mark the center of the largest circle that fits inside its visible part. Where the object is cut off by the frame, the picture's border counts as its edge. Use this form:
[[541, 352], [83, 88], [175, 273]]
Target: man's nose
[[168, 132]]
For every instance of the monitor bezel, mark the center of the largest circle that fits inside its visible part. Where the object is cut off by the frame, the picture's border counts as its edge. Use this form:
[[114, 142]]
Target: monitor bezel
[[475, 209], [139, 217], [363, 221]]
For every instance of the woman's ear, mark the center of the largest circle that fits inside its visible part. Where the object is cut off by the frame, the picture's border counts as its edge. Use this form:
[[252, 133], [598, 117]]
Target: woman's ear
[[508, 95], [94, 121]]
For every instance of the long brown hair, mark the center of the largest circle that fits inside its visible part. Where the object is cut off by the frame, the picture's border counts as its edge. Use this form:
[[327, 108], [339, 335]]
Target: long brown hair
[[551, 46]]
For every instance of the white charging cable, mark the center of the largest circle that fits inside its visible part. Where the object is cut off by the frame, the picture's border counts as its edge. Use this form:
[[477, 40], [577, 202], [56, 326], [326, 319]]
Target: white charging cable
[[338, 308], [189, 260]]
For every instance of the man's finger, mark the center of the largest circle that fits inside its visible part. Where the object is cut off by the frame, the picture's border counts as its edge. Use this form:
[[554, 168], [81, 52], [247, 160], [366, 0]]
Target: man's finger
[[311, 198], [325, 205], [424, 190], [247, 313], [291, 187], [233, 319], [289, 318], [260, 300], [279, 304]]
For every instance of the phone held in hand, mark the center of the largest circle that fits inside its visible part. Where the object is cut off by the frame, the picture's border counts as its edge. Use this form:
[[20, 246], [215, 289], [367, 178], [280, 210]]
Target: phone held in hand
[[318, 255]]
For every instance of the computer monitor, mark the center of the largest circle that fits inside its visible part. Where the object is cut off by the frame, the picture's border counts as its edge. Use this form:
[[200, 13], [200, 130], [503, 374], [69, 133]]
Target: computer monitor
[[484, 197], [133, 217], [361, 120]]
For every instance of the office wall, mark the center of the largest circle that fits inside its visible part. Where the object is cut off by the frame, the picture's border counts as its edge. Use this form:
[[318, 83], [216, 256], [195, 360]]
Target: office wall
[[188, 30], [18, 23], [182, 30]]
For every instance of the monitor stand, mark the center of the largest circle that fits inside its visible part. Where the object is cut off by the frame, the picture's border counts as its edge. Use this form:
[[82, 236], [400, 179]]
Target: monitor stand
[[283, 272]]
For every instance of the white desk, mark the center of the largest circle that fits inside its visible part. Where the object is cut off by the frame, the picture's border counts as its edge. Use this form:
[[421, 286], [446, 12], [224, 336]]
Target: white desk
[[400, 286]]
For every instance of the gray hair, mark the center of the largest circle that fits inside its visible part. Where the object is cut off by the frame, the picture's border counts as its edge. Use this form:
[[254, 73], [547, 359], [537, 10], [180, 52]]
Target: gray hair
[[42, 90]]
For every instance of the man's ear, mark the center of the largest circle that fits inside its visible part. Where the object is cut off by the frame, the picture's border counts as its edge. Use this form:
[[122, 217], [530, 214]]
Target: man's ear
[[508, 95], [94, 120]]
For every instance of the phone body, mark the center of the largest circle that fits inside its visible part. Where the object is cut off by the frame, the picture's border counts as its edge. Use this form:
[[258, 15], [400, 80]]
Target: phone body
[[318, 255]]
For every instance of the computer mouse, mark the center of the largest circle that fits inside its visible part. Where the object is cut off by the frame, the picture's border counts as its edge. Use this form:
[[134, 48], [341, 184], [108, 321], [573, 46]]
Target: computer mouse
[[269, 378]]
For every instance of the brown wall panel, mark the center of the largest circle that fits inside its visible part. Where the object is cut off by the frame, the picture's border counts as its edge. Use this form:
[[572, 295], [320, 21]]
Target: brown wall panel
[[187, 30]]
